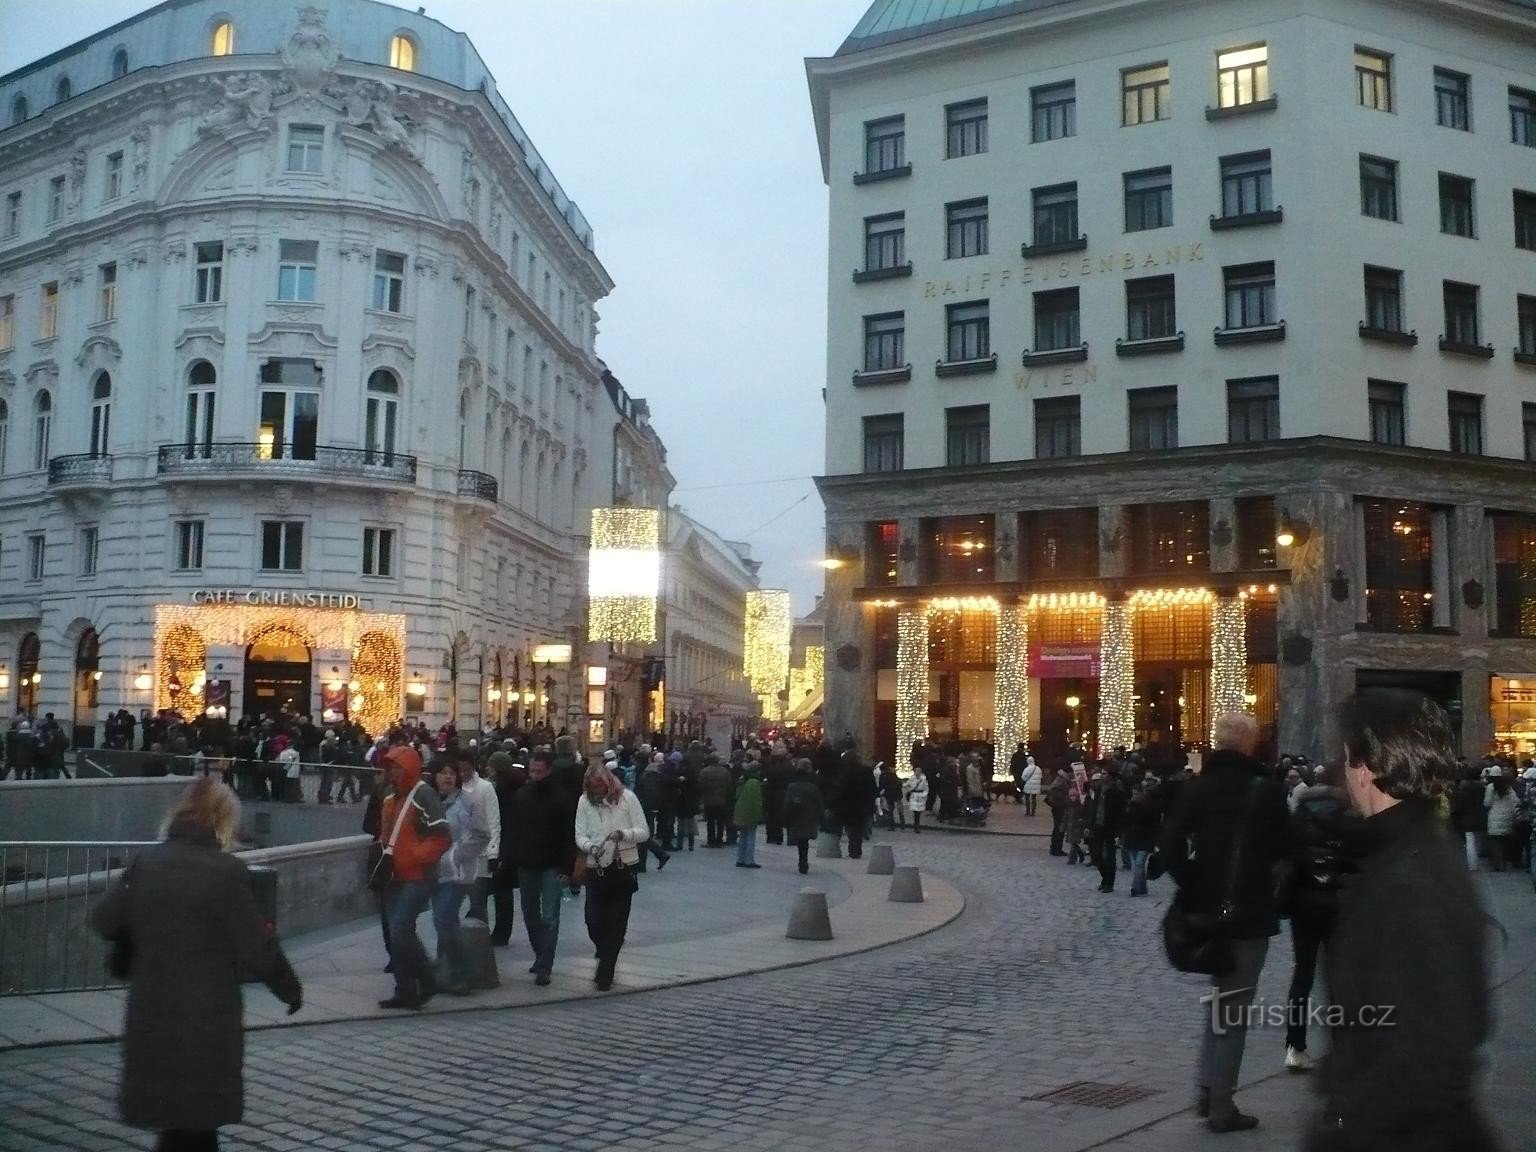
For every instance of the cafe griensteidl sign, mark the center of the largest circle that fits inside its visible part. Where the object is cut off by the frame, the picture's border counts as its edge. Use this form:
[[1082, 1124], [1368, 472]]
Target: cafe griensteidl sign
[[276, 598]]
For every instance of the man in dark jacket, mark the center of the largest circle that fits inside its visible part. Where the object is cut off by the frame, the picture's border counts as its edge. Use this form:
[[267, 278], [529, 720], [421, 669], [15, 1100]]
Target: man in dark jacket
[[777, 772], [1230, 805], [855, 801], [543, 828], [1056, 801], [1409, 940], [1106, 804], [1470, 816]]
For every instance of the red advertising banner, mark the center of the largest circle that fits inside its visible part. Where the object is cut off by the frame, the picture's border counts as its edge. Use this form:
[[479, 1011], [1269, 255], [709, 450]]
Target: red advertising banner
[[1064, 661]]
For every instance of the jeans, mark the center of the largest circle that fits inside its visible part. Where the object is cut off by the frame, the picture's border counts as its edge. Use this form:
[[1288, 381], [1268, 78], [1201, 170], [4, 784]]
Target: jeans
[[746, 844], [1306, 939], [1471, 839], [607, 917], [540, 890], [1139, 860], [1030, 800], [774, 806], [349, 784], [803, 852], [1225, 1023], [447, 899], [1058, 829], [1103, 851], [479, 899], [714, 826], [503, 904], [404, 902], [855, 830], [687, 829]]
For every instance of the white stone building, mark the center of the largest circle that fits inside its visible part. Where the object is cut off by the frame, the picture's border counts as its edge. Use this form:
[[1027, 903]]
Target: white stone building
[[1182, 357], [298, 394]]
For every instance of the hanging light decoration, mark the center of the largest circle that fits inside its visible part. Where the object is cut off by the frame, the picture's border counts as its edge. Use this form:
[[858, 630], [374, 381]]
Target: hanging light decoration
[[809, 678], [911, 680], [1117, 721], [624, 575], [1011, 690], [1229, 659], [769, 625]]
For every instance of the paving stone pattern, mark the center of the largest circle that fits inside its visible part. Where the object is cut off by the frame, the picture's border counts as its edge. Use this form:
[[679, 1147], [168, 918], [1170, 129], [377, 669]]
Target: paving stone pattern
[[944, 1042]]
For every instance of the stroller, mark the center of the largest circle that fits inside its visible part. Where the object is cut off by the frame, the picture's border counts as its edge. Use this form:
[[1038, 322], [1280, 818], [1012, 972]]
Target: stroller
[[973, 811]]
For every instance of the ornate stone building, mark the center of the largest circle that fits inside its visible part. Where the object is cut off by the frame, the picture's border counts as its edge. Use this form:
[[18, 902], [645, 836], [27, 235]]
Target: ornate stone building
[[1180, 360], [298, 395]]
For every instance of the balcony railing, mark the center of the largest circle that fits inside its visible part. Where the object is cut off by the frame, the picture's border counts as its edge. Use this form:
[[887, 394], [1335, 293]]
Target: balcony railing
[[321, 462], [86, 470], [477, 485]]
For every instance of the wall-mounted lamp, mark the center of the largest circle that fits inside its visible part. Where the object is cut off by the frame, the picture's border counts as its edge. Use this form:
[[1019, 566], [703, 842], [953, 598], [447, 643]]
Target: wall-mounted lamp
[[5, 678], [417, 686], [1292, 530], [143, 681]]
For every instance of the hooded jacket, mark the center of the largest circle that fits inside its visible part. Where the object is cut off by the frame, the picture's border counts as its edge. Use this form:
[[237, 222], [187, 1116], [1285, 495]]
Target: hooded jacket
[[424, 833]]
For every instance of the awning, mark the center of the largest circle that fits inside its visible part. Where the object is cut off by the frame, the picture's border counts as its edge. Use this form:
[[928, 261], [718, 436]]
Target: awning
[[806, 708]]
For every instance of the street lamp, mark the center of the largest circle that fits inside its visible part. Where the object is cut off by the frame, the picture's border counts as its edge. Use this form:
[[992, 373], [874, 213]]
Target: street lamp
[[1073, 703]]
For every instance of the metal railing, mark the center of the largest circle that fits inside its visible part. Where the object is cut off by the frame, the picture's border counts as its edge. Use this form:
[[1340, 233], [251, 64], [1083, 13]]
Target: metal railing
[[321, 460], [477, 484], [81, 468], [252, 779]]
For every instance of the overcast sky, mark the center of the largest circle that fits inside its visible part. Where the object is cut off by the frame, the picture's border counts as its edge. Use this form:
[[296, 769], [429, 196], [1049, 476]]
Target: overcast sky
[[683, 130]]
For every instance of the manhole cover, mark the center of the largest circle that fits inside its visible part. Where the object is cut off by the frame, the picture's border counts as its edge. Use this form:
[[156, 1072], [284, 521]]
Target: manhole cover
[[1089, 1094]]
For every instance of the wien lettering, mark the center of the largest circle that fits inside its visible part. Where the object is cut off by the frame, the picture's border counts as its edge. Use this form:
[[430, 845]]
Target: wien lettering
[[1044, 270]]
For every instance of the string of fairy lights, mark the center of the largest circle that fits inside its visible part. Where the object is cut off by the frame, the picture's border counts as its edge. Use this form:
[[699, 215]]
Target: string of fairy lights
[[1011, 689], [769, 628], [624, 575]]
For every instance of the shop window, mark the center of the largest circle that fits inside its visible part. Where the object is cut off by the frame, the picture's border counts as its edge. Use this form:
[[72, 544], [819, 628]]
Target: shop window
[[960, 550], [1399, 566], [1256, 532], [1171, 537], [885, 637], [1514, 560], [883, 554], [1060, 543], [1512, 705]]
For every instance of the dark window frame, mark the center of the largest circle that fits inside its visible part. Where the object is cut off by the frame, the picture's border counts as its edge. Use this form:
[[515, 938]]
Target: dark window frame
[[1253, 410], [1465, 417], [966, 224], [1053, 111], [1056, 207], [1160, 90], [968, 435], [1463, 312], [1399, 566], [1157, 428], [1384, 298], [965, 128], [1453, 99], [1387, 408], [885, 241], [1378, 189], [1247, 183], [1151, 308], [1458, 205], [968, 330], [885, 341], [1373, 86], [1252, 289], [1058, 427], [1148, 199], [884, 444], [882, 146]]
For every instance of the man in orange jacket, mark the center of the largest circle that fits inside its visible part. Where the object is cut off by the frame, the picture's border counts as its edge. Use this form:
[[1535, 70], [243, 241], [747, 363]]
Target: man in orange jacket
[[415, 833]]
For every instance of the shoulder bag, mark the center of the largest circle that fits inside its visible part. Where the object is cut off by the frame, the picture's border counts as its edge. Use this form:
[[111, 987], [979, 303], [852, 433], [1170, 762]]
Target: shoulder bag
[[1200, 941], [381, 857], [120, 944]]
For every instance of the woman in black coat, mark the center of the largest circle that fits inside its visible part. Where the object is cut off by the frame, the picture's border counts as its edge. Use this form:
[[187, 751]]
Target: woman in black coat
[[185, 912], [802, 812]]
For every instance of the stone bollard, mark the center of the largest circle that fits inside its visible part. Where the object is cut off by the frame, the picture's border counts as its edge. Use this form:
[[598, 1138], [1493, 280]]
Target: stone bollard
[[482, 957], [808, 916], [829, 846], [882, 860], [906, 885]]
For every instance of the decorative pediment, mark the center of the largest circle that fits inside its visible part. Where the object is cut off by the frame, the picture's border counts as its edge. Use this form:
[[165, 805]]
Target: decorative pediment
[[287, 337], [41, 374], [7, 378], [469, 371], [382, 350], [98, 348]]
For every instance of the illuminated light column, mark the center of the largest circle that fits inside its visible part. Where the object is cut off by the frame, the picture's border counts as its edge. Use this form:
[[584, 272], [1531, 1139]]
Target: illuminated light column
[[1011, 695], [1117, 719], [1229, 659], [624, 575], [769, 627], [911, 680]]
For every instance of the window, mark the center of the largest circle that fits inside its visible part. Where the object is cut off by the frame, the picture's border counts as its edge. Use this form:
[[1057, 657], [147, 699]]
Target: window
[[63, 90], [1383, 299], [960, 550], [965, 229], [1145, 94], [189, 545], [378, 551], [42, 430], [48, 317], [1055, 214], [12, 214], [20, 110], [884, 553], [1058, 427], [388, 281], [114, 177], [7, 321], [1057, 320], [1242, 76], [306, 147], [5, 432], [198, 427], [282, 545], [402, 53], [1525, 220], [1247, 184], [885, 144], [1148, 199], [208, 281], [469, 313], [1527, 418], [1456, 205], [969, 330], [1514, 560], [1373, 79], [223, 39], [1154, 418], [37, 555], [289, 413], [101, 414], [1386, 407], [885, 241], [1525, 315], [55, 200], [967, 435], [1060, 543], [1170, 537], [1461, 321], [1399, 566], [1149, 309], [1053, 111], [1522, 117], [884, 438], [965, 128], [1250, 290], [297, 261], [885, 339], [1464, 412], [106, 292], [1255, 517], [89, 547], [119, 63], [1453, 100], [1378, 188], [381, 416], [1253, 410]]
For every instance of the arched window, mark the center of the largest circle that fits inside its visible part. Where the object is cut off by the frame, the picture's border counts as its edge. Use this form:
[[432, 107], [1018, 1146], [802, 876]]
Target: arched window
[[5, 430], [20, 110], [402, 53], [101, 414], [382, 416], [506, 466], [223, 39], [63, 90], [42, 428], [119, 63], [201, 379], [27, 676]]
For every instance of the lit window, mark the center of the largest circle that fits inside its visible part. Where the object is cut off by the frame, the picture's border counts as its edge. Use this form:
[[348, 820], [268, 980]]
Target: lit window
[[223, 38], [1243, 76], [402, 54], [106, 299], [1373, 79]]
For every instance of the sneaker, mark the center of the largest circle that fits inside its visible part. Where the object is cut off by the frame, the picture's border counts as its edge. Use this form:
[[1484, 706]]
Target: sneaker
[[753, 865], [1297, 1060], [662, 863], [1233, 1122]]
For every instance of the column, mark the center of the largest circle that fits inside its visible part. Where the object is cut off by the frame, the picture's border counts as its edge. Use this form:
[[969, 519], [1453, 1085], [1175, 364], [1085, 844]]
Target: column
[[1114, 540], [1229, 658], [911, 679], [1006, 544], [909, 569], [1011, 694], [1117, 721], [1224, 530], [850, 660]]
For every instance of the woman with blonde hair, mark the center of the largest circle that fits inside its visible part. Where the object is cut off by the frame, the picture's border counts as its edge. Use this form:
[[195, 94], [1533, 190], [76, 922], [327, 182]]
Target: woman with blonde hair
[[184, 922], [610, 825]]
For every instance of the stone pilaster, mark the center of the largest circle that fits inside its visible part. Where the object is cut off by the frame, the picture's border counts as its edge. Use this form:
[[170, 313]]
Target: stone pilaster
[[909, 567], [1006, 545], [850, 658], [1223, 544], [1114, 540], [1471, 578]]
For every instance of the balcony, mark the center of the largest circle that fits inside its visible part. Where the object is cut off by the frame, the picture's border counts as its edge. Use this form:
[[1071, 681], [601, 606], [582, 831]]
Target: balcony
[[477, 485], [85, 470], [1247, 220], [900, 172], [227, 461], [1047, 356], [1389, 335], [1052, 247], [1464, 348], [1255, 334], [1150, 346], [973, 367], [893, 272]]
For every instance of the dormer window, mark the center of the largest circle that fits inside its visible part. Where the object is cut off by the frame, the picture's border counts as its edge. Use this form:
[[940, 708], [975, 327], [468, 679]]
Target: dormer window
[[20, 110], [119, 63], [402, 53], [223, 41], [63, 90]]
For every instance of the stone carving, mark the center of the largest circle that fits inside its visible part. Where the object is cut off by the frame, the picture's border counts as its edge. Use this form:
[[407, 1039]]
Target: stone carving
[[907, 553], [140, 141], [309, 54], [1472, 594], [1110, 541], [7, 378], [174, 253], [1221, 534], [247, 100], [495, 220], [282, 497], [1296, 650], [76, 179], [372, 106], [138, 257], [1004, 549], [241, 245], [427, 266], [849, 658]]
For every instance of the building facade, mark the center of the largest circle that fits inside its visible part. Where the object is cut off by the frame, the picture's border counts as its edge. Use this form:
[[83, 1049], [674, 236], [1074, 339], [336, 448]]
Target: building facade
[[1182, 358], [299, 404]]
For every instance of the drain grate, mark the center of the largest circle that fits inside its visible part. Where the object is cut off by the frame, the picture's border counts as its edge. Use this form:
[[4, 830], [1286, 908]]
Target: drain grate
[[1091, 1094]]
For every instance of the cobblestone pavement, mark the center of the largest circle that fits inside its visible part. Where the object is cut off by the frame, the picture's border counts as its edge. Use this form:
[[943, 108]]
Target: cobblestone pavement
[[944, 1042]]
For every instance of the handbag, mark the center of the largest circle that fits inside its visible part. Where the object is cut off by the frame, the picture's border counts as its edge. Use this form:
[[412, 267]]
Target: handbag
[[120, 944], [1198, 941], [614, 880], [381, 858]]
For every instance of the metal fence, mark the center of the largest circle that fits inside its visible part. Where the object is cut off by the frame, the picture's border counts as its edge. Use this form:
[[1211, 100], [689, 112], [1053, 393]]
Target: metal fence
[[253, 780]]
